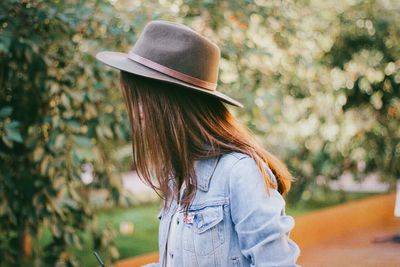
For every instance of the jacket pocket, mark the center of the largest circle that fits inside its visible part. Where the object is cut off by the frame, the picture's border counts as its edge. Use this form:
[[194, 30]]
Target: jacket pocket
[[205, 231]]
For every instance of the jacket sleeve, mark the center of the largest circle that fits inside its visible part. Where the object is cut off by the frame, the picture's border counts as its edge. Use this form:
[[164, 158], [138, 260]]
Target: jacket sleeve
[[260, 221]]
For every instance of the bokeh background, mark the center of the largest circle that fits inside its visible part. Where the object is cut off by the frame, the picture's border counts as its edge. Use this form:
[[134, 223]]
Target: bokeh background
[[320, 81]]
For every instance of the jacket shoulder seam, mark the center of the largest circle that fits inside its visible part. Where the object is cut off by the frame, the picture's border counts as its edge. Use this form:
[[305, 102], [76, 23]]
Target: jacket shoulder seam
[[238, 155]]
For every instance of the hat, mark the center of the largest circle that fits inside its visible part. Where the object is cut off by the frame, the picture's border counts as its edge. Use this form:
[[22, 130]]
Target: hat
[[174, 53]]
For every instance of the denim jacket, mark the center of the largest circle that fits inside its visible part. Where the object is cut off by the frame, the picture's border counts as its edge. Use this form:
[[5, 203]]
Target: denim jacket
[[233, 221]]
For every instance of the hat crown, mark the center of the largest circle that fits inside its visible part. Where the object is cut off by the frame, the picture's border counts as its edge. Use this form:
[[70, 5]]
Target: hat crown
[[179, 48]]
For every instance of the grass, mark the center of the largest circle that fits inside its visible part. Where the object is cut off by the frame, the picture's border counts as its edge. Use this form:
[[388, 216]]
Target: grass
[[145, 235], [144, 238]]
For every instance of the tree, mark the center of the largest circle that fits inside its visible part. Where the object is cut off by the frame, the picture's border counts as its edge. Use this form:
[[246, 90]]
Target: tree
[[55, 115], [364, 54]]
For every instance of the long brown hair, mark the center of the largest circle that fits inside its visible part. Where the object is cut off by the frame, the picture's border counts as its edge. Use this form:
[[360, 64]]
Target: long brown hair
[[170, 126]]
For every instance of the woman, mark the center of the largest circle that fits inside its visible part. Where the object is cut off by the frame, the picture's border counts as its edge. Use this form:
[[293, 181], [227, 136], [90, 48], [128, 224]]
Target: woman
[[222, 192]]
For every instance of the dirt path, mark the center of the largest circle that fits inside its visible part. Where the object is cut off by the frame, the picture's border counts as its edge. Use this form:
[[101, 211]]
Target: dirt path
[[356, 250]]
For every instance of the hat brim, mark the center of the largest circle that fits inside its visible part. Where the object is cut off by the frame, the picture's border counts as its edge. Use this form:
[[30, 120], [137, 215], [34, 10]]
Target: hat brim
[[122, 62]]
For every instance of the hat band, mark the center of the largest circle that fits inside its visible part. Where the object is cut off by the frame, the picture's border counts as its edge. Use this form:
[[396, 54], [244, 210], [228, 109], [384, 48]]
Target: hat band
[[170, 72]]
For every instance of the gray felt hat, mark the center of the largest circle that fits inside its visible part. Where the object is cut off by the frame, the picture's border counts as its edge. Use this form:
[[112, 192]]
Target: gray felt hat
[[172, 52]]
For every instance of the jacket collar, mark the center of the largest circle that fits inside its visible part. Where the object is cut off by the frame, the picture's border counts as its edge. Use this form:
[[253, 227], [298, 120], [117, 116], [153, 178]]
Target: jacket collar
[[204, 170]]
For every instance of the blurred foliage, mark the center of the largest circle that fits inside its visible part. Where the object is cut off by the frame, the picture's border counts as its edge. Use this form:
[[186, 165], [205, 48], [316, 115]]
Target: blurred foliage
[[365, 58], [320, 81], [55, 115]]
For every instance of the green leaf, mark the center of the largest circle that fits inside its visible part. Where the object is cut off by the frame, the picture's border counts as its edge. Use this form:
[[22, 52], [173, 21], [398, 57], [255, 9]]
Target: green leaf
[[77, 241], [76, 160], [4, 208], [12, 125], [65, 100], [60, 141], [44, 165], [107, 132], [38, 154], [5, 42], [68, 237], [5, 111], [7, 141], [83, 141], [13, 133], [56, 229], [85, 154], [74, 125]]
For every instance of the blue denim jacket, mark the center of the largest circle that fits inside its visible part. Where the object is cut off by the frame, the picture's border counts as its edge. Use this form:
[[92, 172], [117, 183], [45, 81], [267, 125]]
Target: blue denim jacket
[[235, 221]]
